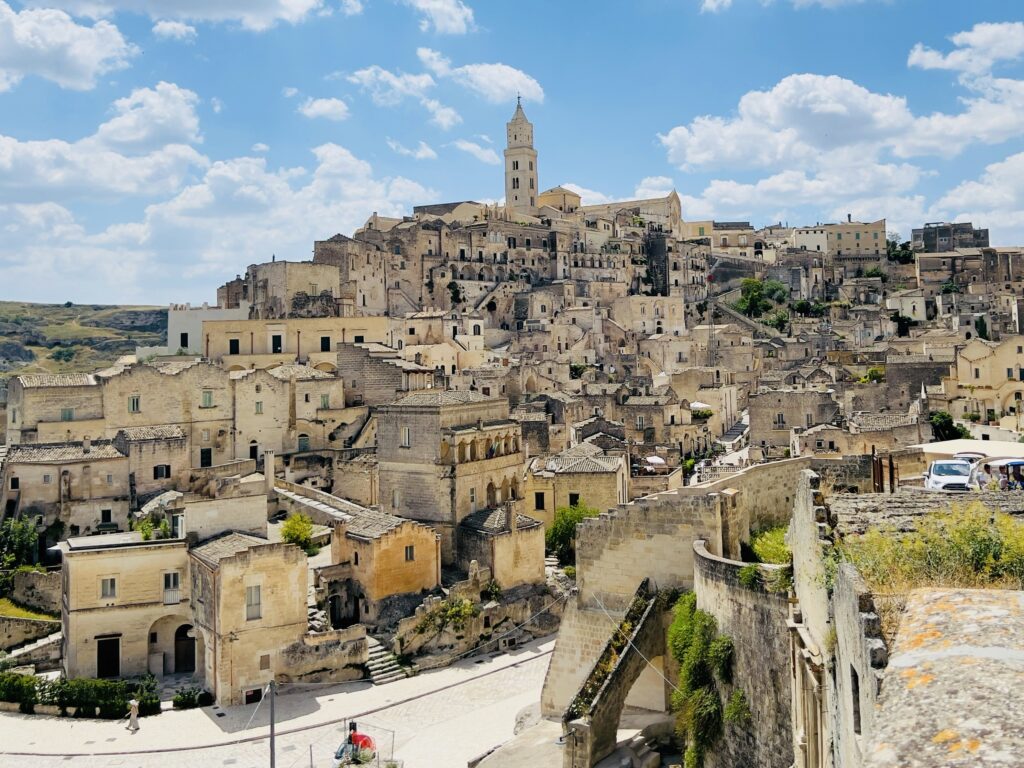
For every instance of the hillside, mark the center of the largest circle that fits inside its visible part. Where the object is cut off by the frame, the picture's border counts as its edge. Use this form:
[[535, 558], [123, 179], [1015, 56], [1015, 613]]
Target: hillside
[[58, 338]]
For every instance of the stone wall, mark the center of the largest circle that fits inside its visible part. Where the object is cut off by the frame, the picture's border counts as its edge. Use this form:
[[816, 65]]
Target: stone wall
[[38, 590], [334, 656], [756, 621], [16, 631]]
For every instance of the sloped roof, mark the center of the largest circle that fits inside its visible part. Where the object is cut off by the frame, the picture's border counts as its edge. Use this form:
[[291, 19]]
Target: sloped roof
[[165, 432], [297, 371], [494, 521], [49, 453], [33, 380], [226, 545], [438, 397]]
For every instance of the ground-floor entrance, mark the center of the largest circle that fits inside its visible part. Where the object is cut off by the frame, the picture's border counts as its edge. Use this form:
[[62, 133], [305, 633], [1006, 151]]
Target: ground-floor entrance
[[108, 657]]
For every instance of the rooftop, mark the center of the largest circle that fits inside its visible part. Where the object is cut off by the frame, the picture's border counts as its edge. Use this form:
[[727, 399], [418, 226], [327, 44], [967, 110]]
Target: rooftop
[[493, 521], [440, 397], [33, 380], [226, 545], [114, 541], [166, 432], [297, 371], [49, 453]]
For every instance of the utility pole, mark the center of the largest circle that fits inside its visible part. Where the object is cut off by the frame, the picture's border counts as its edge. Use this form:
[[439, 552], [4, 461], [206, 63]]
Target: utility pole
[[273, 750]]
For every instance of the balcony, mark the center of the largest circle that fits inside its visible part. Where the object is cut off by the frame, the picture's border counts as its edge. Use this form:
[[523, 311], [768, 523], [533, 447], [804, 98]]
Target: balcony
[[172, 596]]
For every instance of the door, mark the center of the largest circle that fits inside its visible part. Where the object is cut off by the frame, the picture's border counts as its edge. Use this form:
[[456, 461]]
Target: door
[[184, 650], [108, 657], [206, 457], [254, 450]]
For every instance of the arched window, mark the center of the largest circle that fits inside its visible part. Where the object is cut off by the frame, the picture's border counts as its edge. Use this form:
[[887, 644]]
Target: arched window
[[476, 330]]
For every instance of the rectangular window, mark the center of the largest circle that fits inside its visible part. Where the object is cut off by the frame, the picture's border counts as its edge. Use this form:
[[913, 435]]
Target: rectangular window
[[183, 341], [205, 435], [134, 404], [108, 588], [855, 695], [265, 662], [67, 414], [780, 419], [207, 398], [574, 499], [259, 407], [105, 515], [639, 422], [410, 553], [538, 500], [810, 419], [325, 401], [275, 344], [253, 604], [406, 437], [325, 343], [47, 479], [161, 471], [172, 580], [233, 345], [977, 373], [1009, 373], [357, 339]]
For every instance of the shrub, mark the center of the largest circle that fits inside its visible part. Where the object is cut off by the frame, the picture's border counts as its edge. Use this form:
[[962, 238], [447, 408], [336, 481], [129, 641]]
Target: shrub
[[769, 545], [750, 576], [190, 698], [720, 654], [492, 591], [701, 413], [298, 530], [18, 689], [454, 613], [737, 711], [560, 539], [570, 571]]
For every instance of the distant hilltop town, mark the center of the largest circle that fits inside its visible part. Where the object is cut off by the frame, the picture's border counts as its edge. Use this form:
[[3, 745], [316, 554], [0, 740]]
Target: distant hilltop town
[[705, 455]]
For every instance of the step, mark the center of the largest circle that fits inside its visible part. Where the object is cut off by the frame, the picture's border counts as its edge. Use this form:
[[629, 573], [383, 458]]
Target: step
[[384, 679]]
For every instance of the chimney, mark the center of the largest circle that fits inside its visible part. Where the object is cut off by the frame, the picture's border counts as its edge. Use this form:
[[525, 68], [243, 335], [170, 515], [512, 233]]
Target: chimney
[[849, 218], [269, 471], [86, 445]]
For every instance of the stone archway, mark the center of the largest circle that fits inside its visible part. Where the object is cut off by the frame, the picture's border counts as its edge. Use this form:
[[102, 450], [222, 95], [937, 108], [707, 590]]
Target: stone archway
[[176, 647]]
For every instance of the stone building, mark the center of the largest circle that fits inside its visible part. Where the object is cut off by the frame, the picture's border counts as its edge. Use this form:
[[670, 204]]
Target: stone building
[[774, 413], [582, 475], [445, 455]]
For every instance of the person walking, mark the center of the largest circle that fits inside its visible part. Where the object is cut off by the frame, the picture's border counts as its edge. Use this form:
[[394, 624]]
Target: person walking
[[133, 715]]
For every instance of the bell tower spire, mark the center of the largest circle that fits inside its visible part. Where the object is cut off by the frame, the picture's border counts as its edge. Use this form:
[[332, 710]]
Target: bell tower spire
[[520, 164]]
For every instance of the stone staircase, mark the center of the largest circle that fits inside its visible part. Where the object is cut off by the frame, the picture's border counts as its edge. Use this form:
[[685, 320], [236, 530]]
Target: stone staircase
[[383, 665], [43, 653]]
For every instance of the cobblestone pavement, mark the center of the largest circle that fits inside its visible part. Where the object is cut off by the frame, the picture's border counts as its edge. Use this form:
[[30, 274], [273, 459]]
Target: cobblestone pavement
[[439, 719]]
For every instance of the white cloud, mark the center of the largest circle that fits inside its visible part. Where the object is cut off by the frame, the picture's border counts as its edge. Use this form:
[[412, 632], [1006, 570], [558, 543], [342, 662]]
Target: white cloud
[[588, 196], [288, 92], [389, 89], [183, 246], [422, 152], [995, 200], [977, 49], [653, 186], [483, 154], [216, 105], [351, 7], [451, 17], [50, 44], [259, 147], [442, 116], [714, 6], [174, 30], [152, 117], [329, 109], [256, 15], [142, 151], [497, 83]]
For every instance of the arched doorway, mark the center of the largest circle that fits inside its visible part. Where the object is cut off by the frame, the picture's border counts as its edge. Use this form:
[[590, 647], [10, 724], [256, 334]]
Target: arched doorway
[[184, 650], [254, 450], [491, 495]]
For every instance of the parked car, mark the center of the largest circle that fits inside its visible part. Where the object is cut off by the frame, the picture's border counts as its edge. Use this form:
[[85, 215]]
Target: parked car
[[947, 475]]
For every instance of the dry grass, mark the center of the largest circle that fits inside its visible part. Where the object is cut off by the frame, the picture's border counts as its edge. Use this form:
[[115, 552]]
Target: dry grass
[[8, 608]]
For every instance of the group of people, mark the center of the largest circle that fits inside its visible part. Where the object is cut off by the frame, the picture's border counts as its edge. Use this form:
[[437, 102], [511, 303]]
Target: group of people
[[1003, 478]]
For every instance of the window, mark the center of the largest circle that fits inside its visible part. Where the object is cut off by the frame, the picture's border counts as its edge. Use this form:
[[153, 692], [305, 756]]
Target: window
[[780, 419], [396, 498], [314, 289], [161, 471], [259, 407], [977, 373], [857, 236], [67, 414], [574, 499], [275, 344], [183, 341], [108, 587], [355, 558], [855, 695], [172, 580], [406, 437], [1009, 373], [205, 435], [47, 479], [233, 345], [207, 398], [325, 401], [810, 419], [538, 500], [410, 553], [325, 343], [303, 442], [110, 479], [515, 165], [819, 443], [265, 661], [305, 398], [253, 605], [639, 422], [134, 404], [357, 339], [105, 516]]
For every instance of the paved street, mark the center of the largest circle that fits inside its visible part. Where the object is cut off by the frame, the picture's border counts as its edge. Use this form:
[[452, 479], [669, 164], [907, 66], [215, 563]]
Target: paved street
[[439, 719]]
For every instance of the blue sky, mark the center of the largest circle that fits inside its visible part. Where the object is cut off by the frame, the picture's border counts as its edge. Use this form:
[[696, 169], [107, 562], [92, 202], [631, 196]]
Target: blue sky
[[151, 149]]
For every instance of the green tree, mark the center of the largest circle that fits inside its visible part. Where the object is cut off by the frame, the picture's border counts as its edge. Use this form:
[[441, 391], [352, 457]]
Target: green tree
[[560, 538], [298, 530], [877, 272], [982, 328], [19, 543], [778, 319], [776, 290], [943, 427]]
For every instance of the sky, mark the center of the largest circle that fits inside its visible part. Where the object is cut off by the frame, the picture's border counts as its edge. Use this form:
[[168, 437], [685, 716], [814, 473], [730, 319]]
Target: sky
[[151, 149]]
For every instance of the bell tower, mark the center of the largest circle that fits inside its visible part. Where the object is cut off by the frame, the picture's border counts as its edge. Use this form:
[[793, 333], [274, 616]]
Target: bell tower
[[520, 164]]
